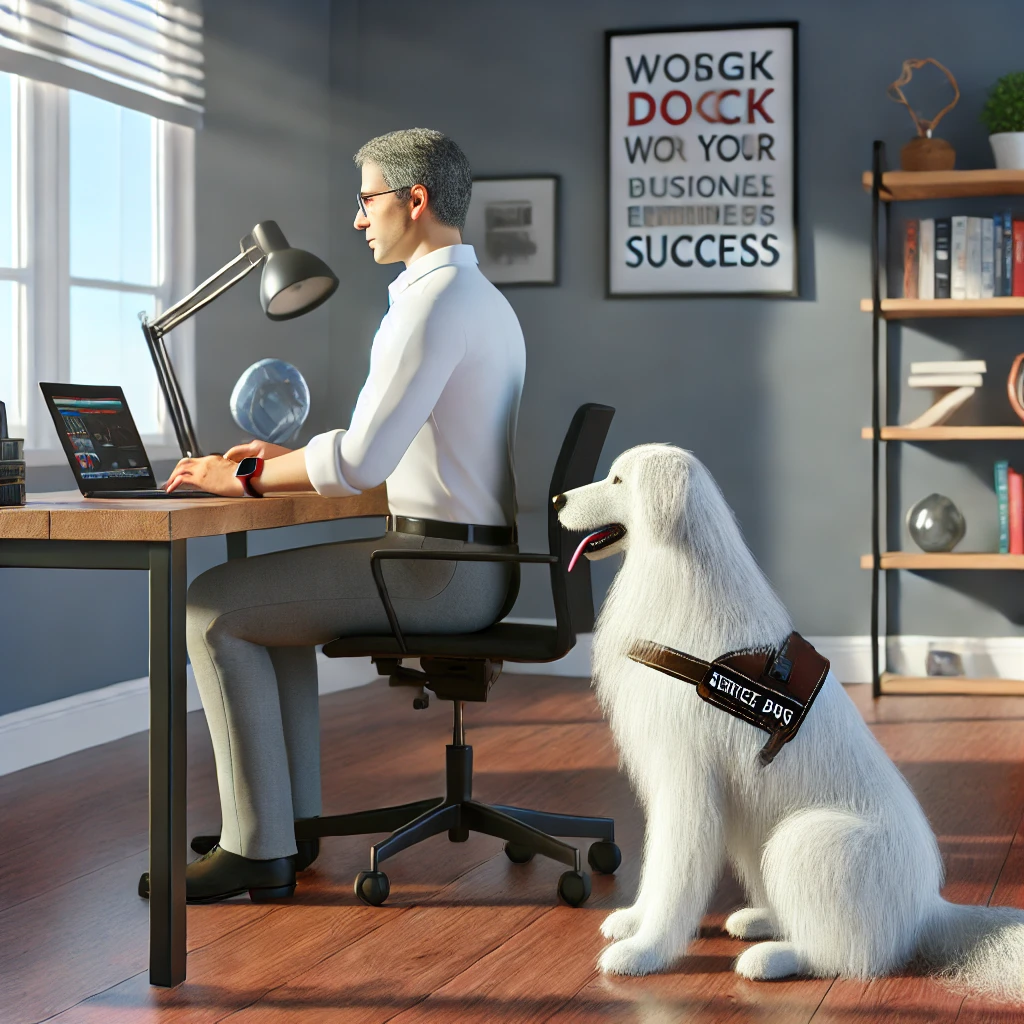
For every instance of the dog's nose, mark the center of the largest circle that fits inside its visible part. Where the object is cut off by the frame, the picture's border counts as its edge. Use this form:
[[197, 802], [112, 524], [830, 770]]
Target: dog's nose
[[559, 501]]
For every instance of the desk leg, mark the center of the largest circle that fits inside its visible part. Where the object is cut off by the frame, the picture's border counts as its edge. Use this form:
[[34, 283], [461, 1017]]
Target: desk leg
[[237, 544], [167, 757]]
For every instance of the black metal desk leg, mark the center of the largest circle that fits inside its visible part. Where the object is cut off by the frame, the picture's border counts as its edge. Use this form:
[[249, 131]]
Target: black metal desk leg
[[167, 756], [237, 544]]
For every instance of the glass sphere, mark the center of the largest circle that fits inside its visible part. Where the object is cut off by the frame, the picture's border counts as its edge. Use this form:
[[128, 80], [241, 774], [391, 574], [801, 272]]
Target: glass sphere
[[936, 524], [270, 401]]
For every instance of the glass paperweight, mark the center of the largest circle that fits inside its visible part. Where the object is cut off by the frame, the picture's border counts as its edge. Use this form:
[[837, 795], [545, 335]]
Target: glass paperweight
[[936, 524], [270, 401]]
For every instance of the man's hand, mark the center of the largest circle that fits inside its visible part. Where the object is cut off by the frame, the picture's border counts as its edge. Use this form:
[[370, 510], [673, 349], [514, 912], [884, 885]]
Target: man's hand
[[263, 449], [213, 473]]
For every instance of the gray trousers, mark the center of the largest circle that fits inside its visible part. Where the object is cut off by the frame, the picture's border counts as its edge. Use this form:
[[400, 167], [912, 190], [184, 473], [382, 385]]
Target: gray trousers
[[252, 626]]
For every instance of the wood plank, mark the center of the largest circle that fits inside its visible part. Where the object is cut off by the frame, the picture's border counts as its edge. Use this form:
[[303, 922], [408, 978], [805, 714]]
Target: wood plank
[[466, 935], [987, 181], [30, 521], [930, 685], [945, 434], [945, 560], [910, 309], [703, 988], [73, 517]]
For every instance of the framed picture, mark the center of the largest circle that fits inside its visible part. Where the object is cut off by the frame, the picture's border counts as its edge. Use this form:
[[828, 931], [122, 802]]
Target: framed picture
[[701, 156], [513, 225]]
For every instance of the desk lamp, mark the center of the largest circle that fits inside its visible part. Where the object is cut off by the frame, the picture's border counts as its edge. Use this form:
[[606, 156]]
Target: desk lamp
[[293, 282]]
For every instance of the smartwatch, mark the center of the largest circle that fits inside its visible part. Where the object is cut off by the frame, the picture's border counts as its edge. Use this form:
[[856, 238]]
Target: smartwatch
[[247, 469]]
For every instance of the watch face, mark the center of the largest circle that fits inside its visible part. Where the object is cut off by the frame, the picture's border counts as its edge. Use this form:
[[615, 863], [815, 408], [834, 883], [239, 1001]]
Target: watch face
[[247, 466]]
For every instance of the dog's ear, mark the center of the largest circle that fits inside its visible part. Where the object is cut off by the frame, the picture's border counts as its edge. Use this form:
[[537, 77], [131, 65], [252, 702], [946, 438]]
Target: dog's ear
[[662, 478]]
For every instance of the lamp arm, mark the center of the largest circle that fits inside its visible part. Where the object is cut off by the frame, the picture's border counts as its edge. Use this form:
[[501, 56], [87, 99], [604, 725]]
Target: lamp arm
[[176, 407], [191, 303]]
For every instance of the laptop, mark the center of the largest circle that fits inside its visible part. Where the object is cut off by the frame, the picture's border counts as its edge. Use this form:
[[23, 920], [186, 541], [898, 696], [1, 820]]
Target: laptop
[[103, 445]]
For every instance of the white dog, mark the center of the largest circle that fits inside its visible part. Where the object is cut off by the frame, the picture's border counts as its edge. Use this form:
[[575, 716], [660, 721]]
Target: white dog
[[838, 861]]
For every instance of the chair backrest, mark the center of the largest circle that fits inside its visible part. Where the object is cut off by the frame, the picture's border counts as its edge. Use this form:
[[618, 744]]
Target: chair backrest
[[575, 466]]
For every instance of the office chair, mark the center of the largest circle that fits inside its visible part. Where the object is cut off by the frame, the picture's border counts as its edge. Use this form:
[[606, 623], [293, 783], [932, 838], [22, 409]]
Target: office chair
[[463, 667]]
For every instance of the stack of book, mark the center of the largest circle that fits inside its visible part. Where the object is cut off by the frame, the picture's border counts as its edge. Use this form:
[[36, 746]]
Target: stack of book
[[963, 257], [1010, 499], [958, 379]]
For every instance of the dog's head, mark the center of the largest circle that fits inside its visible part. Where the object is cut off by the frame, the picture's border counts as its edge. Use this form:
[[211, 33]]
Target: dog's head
[[644, 493]]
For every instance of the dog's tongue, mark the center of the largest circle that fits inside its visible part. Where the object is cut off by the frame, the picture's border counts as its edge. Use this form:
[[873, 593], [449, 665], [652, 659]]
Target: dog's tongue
[[597, 534]]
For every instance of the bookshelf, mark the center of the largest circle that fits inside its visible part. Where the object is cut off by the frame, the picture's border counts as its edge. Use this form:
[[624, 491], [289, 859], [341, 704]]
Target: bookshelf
[[912, 309], [898, 186], [887, 187]]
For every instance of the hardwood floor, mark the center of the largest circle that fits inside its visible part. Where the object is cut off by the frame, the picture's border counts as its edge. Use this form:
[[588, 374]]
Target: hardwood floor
[[466, 936]]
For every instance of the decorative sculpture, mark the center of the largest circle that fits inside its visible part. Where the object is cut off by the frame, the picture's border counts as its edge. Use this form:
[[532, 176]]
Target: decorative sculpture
[[924, 152]]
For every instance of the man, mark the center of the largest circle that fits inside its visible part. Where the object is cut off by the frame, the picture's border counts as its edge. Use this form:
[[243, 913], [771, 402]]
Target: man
[[436, 418]]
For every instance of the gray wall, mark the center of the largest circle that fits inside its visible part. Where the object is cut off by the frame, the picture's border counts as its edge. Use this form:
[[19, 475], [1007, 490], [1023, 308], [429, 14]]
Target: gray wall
[[263, 153], [770, 394]]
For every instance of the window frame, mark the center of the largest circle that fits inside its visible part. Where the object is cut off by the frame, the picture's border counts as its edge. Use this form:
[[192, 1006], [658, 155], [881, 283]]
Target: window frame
[[43, 345]]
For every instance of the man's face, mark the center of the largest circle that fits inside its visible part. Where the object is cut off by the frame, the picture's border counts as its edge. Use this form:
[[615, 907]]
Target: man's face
[[387, 219]]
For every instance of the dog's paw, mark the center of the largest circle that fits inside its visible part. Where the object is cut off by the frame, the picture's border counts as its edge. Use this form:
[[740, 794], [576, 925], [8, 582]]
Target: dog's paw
[[623, 924], [632, 956], [769, 960], [752, 923]]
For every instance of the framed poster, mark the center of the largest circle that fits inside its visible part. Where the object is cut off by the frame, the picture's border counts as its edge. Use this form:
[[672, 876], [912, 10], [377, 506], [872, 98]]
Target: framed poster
[[701, 151], [513, 225]]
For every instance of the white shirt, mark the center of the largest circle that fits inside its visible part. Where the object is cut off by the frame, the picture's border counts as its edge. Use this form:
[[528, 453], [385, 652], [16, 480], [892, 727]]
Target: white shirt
[[437, 415]]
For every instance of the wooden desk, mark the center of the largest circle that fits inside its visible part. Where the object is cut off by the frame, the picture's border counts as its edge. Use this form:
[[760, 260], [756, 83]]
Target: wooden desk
[[63, 530]]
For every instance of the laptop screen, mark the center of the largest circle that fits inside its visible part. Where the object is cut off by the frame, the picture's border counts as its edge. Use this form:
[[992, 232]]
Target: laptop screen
[[99, 437]]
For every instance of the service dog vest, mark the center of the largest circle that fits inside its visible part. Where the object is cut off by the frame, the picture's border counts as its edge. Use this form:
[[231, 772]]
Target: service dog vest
[[773, 690]]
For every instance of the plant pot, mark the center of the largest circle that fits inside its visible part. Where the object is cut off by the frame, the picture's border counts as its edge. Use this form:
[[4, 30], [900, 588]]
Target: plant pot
[[1008, 149]]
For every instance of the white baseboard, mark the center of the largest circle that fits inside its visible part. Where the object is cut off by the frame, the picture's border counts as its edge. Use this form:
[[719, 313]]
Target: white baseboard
[[41, 733], [38, 734], [1000, 657]]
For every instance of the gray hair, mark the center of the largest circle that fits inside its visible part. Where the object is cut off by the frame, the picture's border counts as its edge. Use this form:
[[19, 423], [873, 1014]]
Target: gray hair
[[421, 156]]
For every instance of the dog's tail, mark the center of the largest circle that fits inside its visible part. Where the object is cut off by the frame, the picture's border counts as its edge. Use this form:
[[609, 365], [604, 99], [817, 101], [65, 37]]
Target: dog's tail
[[980, 948]]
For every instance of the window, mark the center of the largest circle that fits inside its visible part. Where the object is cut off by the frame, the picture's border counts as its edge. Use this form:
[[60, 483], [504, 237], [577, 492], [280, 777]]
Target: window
[[95, 229]]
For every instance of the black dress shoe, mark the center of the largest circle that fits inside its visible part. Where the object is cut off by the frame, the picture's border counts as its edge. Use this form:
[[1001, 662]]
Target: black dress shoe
[[219, 875], [308, 849]]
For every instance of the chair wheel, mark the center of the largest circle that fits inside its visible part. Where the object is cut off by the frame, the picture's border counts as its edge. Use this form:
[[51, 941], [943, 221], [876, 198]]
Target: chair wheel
[[458, 835], [519, 854], [574, 887], [372, 887], [604, 857]]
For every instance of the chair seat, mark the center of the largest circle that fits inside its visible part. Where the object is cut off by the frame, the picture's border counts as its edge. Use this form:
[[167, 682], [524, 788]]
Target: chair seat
[[507, 641]]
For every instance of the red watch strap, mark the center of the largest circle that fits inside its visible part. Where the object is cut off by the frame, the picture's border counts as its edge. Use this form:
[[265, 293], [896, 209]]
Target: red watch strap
[[247, 486]]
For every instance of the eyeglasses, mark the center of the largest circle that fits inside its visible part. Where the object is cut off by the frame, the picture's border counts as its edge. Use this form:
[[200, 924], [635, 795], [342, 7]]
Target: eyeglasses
[[361, 196]]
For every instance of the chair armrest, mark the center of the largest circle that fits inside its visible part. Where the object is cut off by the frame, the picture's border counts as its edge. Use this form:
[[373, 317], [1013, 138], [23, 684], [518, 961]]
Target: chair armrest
[[439, 556]]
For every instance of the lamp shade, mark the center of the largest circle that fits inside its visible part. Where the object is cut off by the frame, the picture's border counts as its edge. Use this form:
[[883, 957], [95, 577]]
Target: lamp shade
[[294, 281]]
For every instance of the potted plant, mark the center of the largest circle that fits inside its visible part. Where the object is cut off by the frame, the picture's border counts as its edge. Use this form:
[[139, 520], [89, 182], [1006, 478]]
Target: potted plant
[[1003, 115]]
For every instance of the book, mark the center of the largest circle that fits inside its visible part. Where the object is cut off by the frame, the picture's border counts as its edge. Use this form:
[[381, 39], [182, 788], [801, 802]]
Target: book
[[926, 258], [958, 258], [942, 238], [910, 262], [988, 259], [942, 409], [972, 259], [944, 380], [1007, 252], [1018, 258], [997, 251], [1003, 505], [951, 366], [1015, 489]]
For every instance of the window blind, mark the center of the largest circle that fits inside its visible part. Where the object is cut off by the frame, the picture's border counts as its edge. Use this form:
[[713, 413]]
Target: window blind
[[144, 54]]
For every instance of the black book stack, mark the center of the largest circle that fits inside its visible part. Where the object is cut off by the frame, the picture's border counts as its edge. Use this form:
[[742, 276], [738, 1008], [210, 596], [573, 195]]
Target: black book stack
[[12, 465]]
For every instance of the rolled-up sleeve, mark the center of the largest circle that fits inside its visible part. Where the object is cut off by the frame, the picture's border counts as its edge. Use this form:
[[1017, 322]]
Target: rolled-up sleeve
[[323, 465]]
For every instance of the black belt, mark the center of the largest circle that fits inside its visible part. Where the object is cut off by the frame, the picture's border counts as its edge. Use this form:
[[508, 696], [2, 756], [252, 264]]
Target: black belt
[[469, 532]]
